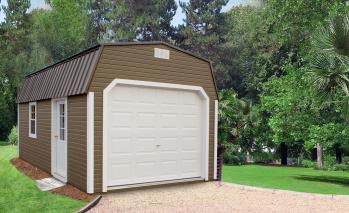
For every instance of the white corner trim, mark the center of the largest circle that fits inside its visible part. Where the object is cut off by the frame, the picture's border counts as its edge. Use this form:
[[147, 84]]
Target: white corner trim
[[199, 89], [215, 139], [53, 155], [90, 142], [29, 119]]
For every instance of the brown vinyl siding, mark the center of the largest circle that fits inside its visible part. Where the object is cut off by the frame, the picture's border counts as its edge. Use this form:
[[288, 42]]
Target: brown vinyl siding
[[137, 62], [77, 141], [36, 151]]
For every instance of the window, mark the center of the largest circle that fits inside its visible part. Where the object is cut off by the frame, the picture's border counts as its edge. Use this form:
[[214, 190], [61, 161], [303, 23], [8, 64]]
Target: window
[[62, 121], [32, 119]]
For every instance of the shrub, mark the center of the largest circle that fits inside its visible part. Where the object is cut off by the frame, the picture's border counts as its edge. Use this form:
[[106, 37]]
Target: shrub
[[341, 167], [345, 160], [308, 163], [13, 136], [232, 155], [329, 162], [234, 158], [263, 157]]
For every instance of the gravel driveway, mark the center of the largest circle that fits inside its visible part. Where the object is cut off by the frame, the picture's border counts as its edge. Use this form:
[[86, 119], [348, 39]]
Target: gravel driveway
[[213, 197]]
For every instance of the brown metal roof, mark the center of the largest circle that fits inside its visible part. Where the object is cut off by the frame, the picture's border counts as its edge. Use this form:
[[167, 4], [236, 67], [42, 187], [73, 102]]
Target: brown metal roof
[[73, 75], [65, 78]]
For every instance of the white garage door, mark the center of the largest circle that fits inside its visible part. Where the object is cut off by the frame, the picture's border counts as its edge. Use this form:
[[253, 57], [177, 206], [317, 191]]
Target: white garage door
[[155, 134]]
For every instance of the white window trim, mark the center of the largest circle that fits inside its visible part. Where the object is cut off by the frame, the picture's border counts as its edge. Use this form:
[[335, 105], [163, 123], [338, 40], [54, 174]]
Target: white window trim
[[36, 119], [206, 104]]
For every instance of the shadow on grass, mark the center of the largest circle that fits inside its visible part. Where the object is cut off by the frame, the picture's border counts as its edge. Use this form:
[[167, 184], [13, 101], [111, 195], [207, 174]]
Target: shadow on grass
[[4, 143], [325, 179]]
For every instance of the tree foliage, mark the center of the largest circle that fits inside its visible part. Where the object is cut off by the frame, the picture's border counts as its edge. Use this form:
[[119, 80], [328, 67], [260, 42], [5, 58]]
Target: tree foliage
[[282, 67]]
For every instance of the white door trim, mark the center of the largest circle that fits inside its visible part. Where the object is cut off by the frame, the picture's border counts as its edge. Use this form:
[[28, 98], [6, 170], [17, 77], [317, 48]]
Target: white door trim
[[53, 129], [199, 89], [215, 139], [90, 142]]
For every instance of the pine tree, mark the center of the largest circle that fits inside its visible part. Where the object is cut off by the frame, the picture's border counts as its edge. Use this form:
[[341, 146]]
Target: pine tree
[[14, 44], [204, 27], [146, 20]]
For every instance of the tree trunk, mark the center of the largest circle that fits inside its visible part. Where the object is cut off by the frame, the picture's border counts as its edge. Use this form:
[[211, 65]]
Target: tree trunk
[[314, 154], [320, 162], [283, 153], [338, 154]]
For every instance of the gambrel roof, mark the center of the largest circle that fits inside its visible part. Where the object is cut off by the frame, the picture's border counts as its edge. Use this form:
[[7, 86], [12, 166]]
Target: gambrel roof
[[71, 76]]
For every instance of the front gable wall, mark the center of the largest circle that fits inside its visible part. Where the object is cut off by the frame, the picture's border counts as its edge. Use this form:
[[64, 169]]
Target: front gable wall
[[137, 62]]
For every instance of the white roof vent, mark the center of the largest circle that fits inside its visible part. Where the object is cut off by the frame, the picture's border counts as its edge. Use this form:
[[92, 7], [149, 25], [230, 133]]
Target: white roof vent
[[161, 53]]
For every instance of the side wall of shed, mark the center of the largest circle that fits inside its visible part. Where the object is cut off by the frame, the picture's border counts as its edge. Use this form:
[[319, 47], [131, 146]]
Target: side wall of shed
[[38, 151], [137, 62], [77, 141]]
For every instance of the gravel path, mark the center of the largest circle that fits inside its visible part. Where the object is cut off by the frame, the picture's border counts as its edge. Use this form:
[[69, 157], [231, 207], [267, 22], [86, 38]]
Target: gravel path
[[212, 197]]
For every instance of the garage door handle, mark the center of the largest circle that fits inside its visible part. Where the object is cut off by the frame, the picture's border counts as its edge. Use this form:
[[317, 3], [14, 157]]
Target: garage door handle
[[157, 145]]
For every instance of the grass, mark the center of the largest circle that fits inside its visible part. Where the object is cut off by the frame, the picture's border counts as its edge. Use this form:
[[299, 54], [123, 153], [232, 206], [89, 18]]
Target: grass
[[289, 178], [18, 193]]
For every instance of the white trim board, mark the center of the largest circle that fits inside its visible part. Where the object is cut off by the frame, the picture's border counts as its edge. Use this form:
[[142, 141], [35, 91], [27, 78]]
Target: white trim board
[[215, 139], [90, 143], [201, 92], [155, 183]]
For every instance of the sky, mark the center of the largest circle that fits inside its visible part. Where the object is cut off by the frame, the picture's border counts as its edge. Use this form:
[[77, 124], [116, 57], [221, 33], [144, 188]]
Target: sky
[[177, 19]]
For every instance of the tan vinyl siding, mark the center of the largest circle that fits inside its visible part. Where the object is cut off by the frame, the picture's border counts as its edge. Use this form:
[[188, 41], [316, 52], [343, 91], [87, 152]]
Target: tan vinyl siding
[[137, 62], [36, 151], [77, 141]]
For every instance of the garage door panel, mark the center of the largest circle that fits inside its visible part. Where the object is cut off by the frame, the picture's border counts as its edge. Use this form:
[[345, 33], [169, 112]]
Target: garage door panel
[[168, 144], [121, 132], [166, 168], [120, 145], [144, 145], [155, 135], [123, 119], [124, 171]]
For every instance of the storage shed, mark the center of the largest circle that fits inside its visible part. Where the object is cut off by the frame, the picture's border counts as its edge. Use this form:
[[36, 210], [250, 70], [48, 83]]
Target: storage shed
[[121, 115]]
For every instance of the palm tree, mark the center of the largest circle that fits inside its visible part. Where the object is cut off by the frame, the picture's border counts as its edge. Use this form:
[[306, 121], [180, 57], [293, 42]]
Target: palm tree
[[330, 63], [234, 114], [329, 66]]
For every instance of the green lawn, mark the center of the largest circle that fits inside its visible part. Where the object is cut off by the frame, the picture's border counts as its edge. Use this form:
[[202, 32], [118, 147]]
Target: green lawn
[[289, 178], [18, 193]]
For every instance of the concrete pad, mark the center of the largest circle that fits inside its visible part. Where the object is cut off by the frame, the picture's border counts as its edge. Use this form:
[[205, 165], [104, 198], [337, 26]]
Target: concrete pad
[[47, 184]]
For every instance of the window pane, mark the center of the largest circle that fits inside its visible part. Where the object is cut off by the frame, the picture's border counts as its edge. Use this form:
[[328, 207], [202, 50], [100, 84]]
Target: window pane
[[33, 112], [32, 126], [61, 134], [61, 122], [61, 109]]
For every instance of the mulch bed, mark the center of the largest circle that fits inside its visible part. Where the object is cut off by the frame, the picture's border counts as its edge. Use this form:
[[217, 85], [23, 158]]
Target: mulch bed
[[36, 174]]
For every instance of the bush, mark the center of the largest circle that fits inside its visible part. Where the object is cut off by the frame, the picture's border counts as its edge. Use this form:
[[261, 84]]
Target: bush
[[329, 162], [232, 155], [308, 163], [13, 136], [234, 158], [263, 157], [341, 167]]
